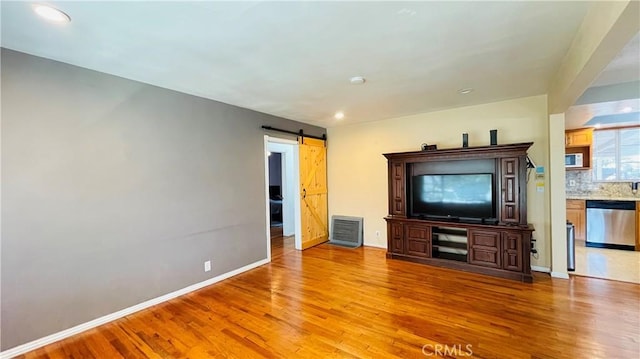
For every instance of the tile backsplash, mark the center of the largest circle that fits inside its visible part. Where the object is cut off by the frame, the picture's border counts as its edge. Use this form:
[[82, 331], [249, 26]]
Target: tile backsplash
[[584, 186]]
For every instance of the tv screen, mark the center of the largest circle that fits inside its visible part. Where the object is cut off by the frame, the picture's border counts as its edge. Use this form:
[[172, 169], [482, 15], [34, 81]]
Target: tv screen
[[463, 196]]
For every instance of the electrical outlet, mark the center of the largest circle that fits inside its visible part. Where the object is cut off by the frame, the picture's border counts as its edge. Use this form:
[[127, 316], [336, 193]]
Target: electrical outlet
[[377, 233], [572, 183], [533, 247], [207, 266]]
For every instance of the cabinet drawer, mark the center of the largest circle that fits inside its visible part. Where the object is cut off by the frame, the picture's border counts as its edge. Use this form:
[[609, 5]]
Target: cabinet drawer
[[576, 204], [484, 248], [486, 257], [417, 232], [484, 239], [419, 248]]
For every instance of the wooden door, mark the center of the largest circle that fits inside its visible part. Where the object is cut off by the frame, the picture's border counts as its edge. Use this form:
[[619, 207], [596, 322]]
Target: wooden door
[[510, 210], [512, 251], [484, 248], [395, 237], [397, 193], [313, 192], [418, 239]]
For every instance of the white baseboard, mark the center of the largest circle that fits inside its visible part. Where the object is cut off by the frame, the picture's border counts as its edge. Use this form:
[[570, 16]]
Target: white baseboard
[[383, 246], [561, 275], [541, 269], [24, 348]]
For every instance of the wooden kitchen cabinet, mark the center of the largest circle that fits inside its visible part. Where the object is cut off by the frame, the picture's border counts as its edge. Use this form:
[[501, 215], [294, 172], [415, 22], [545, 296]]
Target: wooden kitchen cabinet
[[579, 141], [576, 214], [578, 138]]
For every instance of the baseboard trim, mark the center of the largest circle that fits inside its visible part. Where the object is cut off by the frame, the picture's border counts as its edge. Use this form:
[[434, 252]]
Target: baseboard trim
[[383, 246], [38, 343], [561, 275], [541, 269]]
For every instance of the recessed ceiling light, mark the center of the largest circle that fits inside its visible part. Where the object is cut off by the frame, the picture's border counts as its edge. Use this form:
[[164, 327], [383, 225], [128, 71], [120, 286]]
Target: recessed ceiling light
[[627, 109], [357, 80], [465, 91], [339, 115], [51, 14]]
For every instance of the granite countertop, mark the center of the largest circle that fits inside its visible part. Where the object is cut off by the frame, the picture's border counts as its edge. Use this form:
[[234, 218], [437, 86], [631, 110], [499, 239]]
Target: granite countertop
[[603, 198]]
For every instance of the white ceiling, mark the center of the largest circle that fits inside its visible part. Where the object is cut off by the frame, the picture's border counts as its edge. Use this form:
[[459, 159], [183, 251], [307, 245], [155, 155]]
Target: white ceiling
[[578, 116], [294, 59], [624, 68]]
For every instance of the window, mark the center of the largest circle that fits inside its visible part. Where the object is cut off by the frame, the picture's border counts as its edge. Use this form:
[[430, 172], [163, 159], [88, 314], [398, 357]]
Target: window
[[616, 155]]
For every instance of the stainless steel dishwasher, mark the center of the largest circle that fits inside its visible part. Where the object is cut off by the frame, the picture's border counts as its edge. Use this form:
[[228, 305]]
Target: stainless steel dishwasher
[[611, 224]]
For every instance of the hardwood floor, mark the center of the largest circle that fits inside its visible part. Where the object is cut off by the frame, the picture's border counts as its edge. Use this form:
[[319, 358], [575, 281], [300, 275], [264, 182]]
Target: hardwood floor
[[281, 246], [331, 301]]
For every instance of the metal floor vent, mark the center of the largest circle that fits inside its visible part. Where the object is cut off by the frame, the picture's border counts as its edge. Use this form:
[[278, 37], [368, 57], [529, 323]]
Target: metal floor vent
[[346, 231]]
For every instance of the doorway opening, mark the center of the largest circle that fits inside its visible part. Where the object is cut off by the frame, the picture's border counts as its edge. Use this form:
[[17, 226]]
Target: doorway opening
[[282, 180]]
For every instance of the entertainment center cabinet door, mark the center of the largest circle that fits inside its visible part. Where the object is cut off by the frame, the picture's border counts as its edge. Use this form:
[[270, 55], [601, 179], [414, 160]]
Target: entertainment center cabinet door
[[396, 237], [397, 193], [510, 182], [512, 251], [418, 240], [484, 248]]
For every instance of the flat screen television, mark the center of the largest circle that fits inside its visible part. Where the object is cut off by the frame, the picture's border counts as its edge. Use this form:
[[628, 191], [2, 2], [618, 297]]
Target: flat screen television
[[463, 197]]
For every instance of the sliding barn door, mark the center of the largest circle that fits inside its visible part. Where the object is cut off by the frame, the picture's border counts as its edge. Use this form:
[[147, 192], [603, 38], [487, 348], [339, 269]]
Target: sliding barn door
[[313, 192]]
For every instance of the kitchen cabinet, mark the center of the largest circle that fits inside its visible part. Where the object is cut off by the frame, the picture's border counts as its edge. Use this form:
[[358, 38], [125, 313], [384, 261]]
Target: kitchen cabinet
[[579, 141], [576, 213], [578, 138]]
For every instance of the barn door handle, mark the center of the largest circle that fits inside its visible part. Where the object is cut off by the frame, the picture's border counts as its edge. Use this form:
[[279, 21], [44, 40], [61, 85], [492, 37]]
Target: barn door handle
[[304, 193]]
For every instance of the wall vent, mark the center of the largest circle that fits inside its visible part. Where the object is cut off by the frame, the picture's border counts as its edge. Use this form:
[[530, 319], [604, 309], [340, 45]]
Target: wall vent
[[346, 231]]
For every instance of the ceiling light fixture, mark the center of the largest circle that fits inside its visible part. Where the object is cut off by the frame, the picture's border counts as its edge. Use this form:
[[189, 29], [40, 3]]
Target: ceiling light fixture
[[627, 109], [465, 91], [339, 115], [357, 80], [51, 14]]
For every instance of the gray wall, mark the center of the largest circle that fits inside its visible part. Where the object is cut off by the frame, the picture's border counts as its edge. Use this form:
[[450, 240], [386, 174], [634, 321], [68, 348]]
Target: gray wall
[[115, 192]]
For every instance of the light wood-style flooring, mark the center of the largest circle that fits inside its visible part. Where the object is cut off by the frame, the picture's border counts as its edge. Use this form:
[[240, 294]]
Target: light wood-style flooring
[[614, 264], [335, 302]]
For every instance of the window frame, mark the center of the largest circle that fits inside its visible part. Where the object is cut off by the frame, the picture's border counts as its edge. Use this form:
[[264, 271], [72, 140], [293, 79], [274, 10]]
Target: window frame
[[617, 154]]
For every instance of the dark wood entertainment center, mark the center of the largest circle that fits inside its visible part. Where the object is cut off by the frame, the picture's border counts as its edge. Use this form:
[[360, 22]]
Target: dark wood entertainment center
[[500, 247]]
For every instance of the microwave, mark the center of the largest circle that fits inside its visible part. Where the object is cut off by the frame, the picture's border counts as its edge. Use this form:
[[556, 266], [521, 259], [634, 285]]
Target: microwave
[[573, 160]]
